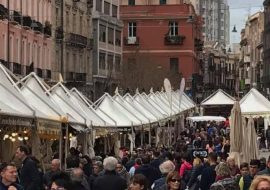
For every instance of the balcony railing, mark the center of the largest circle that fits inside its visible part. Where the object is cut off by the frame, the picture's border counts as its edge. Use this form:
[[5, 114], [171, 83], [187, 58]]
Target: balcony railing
[[76, 40], [26, 22], [174, 40], [37, 26], [129, 41]]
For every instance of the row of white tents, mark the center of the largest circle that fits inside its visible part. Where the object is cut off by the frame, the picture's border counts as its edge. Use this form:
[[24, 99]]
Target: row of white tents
[[253, 104], [31, 97]]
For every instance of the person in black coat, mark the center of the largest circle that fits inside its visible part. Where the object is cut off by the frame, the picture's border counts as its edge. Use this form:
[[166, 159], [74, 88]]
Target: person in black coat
[[29, 174], [110, 180], [209, 173], [148, 171]]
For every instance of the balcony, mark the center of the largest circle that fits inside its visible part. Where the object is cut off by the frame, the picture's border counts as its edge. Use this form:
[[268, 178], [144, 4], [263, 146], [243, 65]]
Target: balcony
[[80, 77], [48, 74], [17, 68], [76, 40], [3, 12], [70, 76], [5, 63], [27, 22], [37, 26], [47, 29], [39, 72], [15, 17], [131, 41], [174, 40]]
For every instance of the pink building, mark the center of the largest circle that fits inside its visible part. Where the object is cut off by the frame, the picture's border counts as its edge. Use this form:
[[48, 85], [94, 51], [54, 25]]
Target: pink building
[[30, 44]]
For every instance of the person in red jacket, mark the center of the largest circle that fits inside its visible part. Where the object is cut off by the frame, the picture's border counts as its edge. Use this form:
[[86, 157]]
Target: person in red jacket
[[185, 167]]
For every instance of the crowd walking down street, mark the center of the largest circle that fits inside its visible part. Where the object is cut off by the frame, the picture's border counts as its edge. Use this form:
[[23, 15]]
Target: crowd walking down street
[[178, 167]]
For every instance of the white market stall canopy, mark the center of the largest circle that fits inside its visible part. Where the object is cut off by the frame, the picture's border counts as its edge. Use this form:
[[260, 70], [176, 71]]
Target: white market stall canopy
[[32, 97], [206, 118], [218, 98], [11, 101], [38, 97], [254, 104]]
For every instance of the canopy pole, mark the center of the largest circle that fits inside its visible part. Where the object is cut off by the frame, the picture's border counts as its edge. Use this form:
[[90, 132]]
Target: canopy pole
[[61, 146], [66, 145], [142, 133], [149, 139]]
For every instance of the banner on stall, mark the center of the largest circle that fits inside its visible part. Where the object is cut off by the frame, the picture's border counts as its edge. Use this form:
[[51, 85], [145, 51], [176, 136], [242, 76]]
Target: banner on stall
[[15, 121]]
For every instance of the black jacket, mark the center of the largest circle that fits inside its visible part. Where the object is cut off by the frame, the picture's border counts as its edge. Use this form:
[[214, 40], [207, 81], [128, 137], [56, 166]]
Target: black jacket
[[29, 175], [149, 172], [208, 177], [109, 181], [3, 187]]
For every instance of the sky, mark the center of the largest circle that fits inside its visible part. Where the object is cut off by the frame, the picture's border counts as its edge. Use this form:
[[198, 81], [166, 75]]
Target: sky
[[239, 11]]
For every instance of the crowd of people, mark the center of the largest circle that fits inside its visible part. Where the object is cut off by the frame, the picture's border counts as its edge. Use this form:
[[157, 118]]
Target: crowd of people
[[147, 168]]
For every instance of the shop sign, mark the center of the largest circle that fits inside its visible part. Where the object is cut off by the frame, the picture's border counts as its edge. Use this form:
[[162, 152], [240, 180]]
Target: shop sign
[[15, 121], [48, 127]]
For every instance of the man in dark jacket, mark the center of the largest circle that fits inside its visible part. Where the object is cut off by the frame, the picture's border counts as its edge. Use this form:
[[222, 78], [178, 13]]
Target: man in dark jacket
[[148, 171], [208, 173], [110, 180], [246, 180], [266, 171], [29, 174], [9, 177]]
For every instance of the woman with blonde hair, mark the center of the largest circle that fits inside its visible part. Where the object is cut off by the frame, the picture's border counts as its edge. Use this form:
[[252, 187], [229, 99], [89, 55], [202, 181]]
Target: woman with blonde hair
[[196, 171], [261, 182]]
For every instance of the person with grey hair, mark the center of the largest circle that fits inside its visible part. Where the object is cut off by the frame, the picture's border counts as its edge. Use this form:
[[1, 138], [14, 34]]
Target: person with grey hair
[[224, 181], [165, 168], [97, 170], [110, 180], [55, 167], [78, 179]]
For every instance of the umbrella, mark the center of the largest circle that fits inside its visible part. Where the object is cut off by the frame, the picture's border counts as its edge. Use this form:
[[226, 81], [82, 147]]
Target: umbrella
[[236, 132], [245, 146], [252, 140]]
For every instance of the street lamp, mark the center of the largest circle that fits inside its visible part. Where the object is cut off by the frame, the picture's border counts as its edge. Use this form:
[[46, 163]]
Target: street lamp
[[234, 29]]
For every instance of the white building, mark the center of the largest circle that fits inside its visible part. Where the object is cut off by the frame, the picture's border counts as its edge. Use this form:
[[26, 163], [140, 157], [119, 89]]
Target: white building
[[216, 16]]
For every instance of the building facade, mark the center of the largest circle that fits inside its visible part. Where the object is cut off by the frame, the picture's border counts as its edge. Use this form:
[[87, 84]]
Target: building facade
[[219, 70], [73, 43], [216, 17], [266, 47], [25, 36], [161, 39], [251, 65], [107, 46]]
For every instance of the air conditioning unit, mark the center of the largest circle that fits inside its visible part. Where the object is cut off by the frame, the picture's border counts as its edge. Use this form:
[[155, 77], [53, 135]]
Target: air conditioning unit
[[131, 40]]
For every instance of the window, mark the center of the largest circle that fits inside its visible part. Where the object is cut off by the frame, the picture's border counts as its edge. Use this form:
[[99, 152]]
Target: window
[[81, 24], [110, 62], [132, 29], [57, 17], [102, 33], [67, 21], [131, 2], [174, 65], [99, 5], [74, 23], [118, 38], [110, 35], [117, 63], [162, 2], [102, 61], [114, 11], [173, 28], [107, 8]]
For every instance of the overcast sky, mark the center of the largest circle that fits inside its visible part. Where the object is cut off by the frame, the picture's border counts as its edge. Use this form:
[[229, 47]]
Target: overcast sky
[[239, 11]]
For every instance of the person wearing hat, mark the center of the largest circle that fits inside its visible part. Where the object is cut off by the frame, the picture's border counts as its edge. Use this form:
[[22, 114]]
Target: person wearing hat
[[246, 180]]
